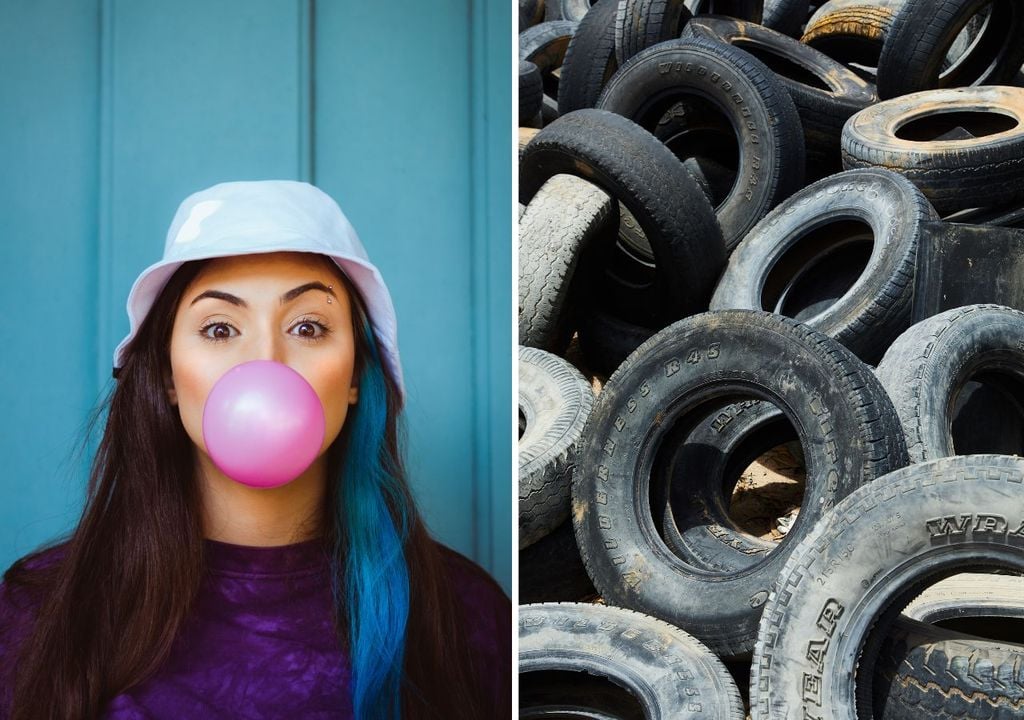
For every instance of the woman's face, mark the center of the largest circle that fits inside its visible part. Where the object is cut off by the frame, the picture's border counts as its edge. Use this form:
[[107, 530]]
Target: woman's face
[[284, 306]]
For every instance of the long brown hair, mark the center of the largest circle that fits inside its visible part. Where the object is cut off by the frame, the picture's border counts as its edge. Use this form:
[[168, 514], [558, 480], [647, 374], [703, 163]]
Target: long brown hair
[[110, 608]]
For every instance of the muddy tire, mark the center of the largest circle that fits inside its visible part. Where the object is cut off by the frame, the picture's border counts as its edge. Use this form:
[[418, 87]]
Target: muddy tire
[[551, 569], [640, 24], [766, 126], [923, 32], [813, 259], [963, 148], [929, 367], [846, 581], [561, 219], [852, 32], [924, 671], [826, 93], [674, 380], [633, 167], [554, 403], [590, 59], [668, 673]]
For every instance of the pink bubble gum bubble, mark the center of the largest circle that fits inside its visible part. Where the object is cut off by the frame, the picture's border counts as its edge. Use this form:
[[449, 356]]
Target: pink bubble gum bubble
[[263, 424]]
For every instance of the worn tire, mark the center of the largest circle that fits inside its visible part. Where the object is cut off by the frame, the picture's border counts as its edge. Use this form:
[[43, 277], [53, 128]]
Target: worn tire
[[668, 673], [766, 123], [825, 92], [590, 59], [845, 582], [749, 10], [928, 367], [672, 381], [963, 147], [797, 261], [923, 32], [554, 403], [786, 16], [852, 32], [969, 596], [531, 91], [633, 167], [640, 24], [574, 10], [544, 45], [924, 671], [564, 216], [607, 340]]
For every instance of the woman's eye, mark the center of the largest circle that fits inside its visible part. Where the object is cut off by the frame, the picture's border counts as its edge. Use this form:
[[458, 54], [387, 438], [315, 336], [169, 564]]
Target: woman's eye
[[307, 330], [221, 331]]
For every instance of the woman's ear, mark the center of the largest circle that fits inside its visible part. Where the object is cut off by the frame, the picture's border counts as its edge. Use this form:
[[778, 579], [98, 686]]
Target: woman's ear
[[353, 395], [172, 394]]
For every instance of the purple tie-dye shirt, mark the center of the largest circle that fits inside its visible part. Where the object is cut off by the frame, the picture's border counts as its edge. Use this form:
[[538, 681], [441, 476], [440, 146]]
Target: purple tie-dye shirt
[[260, 642]]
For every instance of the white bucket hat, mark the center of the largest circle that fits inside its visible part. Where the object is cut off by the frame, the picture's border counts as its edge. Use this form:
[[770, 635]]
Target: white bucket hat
[[245, 218]]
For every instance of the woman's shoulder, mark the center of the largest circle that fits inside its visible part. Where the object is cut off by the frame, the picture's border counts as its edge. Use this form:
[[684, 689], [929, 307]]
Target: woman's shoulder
[[473, 582]]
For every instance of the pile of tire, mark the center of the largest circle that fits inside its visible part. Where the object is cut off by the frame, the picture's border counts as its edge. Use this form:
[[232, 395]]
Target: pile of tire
[[722, 206]]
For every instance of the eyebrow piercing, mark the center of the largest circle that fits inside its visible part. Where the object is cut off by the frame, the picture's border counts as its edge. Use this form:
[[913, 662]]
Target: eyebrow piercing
[[329, 287]]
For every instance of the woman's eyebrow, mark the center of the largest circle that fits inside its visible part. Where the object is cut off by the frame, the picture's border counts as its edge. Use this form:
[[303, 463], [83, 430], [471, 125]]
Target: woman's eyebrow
[[286, 298]]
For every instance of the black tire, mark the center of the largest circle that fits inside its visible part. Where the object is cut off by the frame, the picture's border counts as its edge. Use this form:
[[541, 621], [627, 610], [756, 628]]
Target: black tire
[[749, 10], [531, 91], [786, 16], [700, 475], [852, 32], [924, 671], [923, 32], [848, 578], [633, 167], [544, 45], [590, 59], [964, 147], [667, 673], [606, 340], [672, 381], [764, 121], [565, 215], [574, 10], [839, 255], [551, 569], [554, 403], [640, 24], [532, 11], [826, 93], [930, 365]]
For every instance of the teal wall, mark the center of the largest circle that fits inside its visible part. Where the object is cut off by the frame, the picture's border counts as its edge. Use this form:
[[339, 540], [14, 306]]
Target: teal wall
[[114, 111]]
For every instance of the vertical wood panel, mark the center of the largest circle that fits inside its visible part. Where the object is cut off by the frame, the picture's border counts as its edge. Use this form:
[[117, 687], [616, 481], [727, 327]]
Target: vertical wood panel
[[47, 213], [118, 109]]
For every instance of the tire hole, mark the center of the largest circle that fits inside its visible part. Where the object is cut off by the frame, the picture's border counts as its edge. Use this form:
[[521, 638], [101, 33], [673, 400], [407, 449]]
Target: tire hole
[[1000, 629], [958, 125], [766, 499], [781, 64], [696, 128], [575, 696], [988, 415], [818, 270]]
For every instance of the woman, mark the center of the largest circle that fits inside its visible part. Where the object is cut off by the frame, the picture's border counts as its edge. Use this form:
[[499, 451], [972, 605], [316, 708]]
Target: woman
[[183, 592]]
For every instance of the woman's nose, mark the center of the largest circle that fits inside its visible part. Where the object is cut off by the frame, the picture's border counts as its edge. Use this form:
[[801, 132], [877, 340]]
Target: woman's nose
[[270, 344]]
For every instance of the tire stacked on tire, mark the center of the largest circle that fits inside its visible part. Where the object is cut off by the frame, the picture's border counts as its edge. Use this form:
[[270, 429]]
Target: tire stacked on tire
[[722, 228]]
